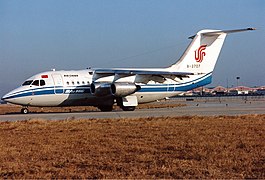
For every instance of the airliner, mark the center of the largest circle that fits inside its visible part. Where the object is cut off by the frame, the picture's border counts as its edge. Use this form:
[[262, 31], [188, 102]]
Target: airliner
[[125, 87]]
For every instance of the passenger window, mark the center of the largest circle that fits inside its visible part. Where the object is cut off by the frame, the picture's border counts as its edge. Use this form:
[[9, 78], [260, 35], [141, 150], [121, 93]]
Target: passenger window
[[77, 82], [83, 82], [42, 82], [26, 83], [36, 83], [67, 83], [73, 82]]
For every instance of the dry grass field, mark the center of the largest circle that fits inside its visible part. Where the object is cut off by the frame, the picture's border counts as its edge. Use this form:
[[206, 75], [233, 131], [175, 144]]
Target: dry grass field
[[180, 147]]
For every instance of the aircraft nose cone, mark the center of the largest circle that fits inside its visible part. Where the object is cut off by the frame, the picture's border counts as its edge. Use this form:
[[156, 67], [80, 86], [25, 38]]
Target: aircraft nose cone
[[10, 96], [5, 97], [16, 96]]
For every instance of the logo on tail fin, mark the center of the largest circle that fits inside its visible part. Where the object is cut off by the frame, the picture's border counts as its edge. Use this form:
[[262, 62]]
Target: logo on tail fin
[[199, 53]]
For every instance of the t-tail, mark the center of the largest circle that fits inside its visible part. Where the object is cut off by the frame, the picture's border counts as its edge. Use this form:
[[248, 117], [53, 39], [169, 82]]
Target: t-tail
[[201, 55]]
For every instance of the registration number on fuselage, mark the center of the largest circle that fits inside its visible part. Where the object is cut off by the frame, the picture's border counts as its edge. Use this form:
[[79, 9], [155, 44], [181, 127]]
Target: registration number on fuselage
[[193, 66]]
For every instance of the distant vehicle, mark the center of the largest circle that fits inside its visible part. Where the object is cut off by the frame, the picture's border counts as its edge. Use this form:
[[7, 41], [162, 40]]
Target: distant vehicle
[[126, 87]]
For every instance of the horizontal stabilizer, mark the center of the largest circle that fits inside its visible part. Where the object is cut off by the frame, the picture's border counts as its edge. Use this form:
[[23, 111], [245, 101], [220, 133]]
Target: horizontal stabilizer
[[227, 31], [219, 32]]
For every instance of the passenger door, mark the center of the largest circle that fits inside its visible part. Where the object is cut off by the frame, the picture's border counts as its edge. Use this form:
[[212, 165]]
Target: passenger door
[[58, 83]]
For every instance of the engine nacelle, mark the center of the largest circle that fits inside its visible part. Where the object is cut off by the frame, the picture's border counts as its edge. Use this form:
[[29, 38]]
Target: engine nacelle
[[100, 89], [124, 89]]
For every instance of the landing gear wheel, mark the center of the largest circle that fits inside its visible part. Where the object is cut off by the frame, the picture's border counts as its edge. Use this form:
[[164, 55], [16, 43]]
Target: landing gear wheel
[[105, 108], [128, 108], [24, 111]]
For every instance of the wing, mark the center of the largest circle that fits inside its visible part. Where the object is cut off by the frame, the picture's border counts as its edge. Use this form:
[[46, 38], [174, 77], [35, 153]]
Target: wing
[[142, 75]]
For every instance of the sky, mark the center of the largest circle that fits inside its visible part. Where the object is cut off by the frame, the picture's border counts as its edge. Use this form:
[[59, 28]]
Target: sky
[[40, 35]]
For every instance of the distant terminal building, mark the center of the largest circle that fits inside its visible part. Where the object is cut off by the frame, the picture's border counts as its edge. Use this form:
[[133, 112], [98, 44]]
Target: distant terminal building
[[222, 91], [260, 90], [219, 90], [241, 90]]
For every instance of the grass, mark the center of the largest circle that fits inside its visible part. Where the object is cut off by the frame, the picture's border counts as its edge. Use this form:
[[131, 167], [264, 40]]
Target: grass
[[168, 147]]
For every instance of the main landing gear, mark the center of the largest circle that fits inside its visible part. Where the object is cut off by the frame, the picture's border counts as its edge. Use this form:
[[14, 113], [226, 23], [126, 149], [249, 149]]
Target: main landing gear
[[24, 110]]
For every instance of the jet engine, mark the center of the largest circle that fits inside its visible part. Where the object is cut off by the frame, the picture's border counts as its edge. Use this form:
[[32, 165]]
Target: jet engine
[[123, 89], [100, 89]]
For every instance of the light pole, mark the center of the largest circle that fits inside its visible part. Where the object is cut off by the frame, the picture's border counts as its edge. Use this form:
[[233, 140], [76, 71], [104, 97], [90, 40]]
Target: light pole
[[237, 80], [227, 85]]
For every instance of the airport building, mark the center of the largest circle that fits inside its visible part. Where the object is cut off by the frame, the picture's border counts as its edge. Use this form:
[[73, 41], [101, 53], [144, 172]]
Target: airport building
[[222, 91]]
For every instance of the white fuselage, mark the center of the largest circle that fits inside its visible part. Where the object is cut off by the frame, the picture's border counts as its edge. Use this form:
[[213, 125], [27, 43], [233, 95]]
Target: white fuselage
[[68, 88]]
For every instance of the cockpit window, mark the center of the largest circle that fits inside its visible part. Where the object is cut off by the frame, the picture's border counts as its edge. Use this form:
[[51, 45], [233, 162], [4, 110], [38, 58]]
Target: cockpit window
[[42, 82], [26, 83], [36, 83]]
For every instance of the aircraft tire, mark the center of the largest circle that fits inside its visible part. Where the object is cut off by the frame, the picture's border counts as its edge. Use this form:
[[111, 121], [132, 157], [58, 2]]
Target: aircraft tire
[[24, 111], [128, 108], [105, 108]]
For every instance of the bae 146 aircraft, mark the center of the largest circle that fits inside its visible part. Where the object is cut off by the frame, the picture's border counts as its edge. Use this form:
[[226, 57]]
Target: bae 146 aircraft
[[125, 87]]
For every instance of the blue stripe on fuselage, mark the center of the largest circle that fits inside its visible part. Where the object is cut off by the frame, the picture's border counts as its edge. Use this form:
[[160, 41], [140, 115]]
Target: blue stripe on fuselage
[[43, 91]]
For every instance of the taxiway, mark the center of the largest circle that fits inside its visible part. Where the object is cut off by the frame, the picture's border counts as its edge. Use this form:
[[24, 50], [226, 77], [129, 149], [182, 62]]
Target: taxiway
[[199, 108]]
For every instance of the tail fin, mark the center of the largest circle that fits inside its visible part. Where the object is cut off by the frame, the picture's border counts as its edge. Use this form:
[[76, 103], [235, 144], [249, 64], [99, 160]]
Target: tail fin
[[201, 55]]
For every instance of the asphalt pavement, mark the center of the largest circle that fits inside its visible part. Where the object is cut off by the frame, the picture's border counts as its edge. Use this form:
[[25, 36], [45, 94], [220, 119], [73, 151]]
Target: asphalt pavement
[[199, 108]]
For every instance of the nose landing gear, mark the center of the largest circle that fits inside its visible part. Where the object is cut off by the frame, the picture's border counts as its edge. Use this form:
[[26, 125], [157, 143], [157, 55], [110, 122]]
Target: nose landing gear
[[24, 110]]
